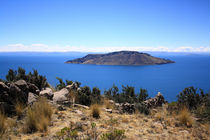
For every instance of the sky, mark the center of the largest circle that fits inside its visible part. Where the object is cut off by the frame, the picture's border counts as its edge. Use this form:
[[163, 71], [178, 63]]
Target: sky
[[105, 25]]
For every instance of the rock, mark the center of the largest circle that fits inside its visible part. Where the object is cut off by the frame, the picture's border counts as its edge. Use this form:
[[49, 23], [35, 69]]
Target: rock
[[61, 108], [127, 108], [22, 85], [73, 86], [78, 112], [108, 110], [32, 98], [33, 88], [3, 87], [18, 93], [13, 93], [81, 106], [84, 118], [61, 96], [111, 101], [155, 102], [7, 108], [47, 93]]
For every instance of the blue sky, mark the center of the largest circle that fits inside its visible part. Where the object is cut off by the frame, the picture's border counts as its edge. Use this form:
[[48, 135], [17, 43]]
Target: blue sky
[[105, 25]]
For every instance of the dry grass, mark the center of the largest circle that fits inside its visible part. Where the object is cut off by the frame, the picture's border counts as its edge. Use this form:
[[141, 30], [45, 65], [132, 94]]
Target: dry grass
[[185, 117], [107, 104], [19, 107], [95, 111], [2, 124], [38, 116]]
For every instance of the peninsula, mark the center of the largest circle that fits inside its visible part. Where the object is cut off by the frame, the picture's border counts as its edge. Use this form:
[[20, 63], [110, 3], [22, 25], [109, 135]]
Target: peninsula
[[120, 58]]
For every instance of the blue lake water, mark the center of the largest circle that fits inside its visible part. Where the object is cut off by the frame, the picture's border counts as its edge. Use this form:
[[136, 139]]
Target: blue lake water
[[169, 79]]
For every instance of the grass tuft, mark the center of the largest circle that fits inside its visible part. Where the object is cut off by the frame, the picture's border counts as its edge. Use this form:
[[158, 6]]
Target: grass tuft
[[38, 116], [95, 111], [2, 124], [185, 117], [107, 104], [19, 107]]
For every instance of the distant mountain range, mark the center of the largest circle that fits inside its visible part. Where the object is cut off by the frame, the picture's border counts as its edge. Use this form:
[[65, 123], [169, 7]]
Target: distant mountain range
[[120, 58]]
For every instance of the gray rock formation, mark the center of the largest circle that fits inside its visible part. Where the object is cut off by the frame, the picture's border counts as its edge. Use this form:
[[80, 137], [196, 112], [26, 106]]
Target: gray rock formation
[[155, 102], [125, 108], [13, 93], [48, 93], [61, 96]]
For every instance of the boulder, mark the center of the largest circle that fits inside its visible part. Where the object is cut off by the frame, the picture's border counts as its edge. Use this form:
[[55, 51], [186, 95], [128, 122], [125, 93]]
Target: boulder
[[108, 110], [125, 108], [158, 100], [78, 112], [18, 94], [3, 87], [81, 106], [61, 96], [22, 85], [32, 98], [11, 94], [48, 93], [33, 88], [73, 86]]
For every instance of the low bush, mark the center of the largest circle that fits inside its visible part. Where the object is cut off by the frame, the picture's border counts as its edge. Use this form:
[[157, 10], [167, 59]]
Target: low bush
[[67, 134], [38, 116], [95, 111], [191, 98], [203, 111], [63, 84], [114, 135], [87, 97], [34, 78], [141, 108], [127, 95]]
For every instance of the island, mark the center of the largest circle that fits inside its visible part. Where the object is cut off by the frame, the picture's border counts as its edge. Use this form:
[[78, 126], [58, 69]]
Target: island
[[120, 58]]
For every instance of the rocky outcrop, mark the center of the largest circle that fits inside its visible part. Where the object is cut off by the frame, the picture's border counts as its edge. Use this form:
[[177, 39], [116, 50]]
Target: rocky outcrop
[[120, 58], [155, 102], [125, 108], [73, 86], [48, 93], [15, 92], [32, 98], [61, 96]]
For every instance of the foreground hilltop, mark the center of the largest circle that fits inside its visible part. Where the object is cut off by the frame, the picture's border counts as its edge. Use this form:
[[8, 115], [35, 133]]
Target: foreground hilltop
[[30, 109], [120, 58]]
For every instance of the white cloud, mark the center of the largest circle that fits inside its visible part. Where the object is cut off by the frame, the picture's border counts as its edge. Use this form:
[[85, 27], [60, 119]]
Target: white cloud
[[47, 48]]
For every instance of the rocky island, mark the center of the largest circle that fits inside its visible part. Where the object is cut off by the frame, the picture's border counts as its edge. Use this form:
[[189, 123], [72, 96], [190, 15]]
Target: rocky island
[[120, 58]]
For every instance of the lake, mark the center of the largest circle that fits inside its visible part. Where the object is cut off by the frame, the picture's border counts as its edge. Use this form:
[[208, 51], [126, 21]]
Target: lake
[[169, 79]]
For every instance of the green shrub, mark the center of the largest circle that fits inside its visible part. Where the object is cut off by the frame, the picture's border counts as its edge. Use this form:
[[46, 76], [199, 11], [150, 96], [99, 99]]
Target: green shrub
[[127, 94], [191, 98], [96, 96], [114, 135], [84, 96], [203, 110], [67, 133], [143, 95], [33, 78], [61, 84]]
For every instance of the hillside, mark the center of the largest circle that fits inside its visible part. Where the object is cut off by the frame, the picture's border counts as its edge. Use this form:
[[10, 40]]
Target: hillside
[[120, 58]]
